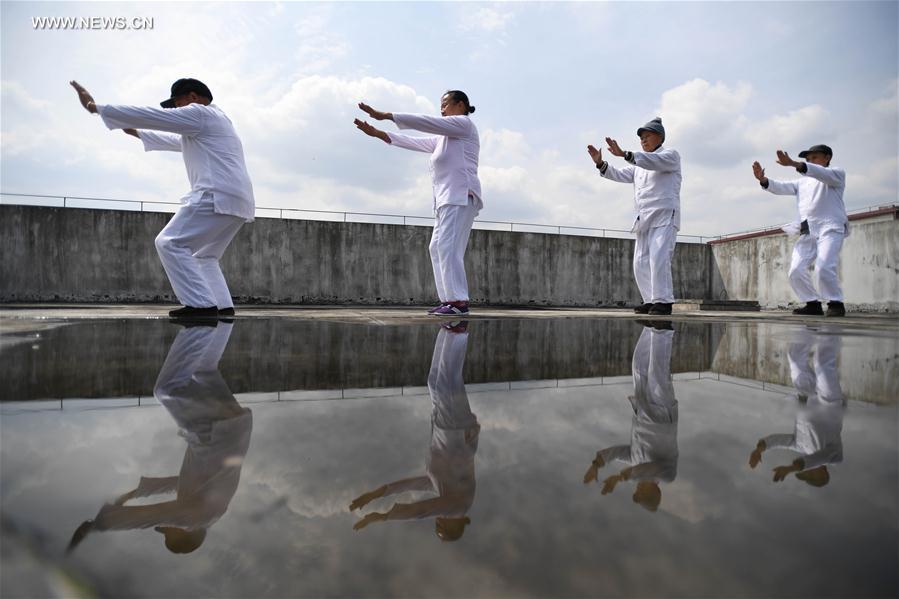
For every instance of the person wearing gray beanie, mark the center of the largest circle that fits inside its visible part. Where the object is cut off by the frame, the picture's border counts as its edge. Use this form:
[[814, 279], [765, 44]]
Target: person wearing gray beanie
[[655, 173]]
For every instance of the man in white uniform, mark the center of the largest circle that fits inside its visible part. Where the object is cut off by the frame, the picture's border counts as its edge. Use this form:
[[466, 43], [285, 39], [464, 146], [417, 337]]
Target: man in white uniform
[[817, 433], [823, 225], [652, 454], [454, 146], [217, 430], [220, 198], [656, 175], [454, 441]]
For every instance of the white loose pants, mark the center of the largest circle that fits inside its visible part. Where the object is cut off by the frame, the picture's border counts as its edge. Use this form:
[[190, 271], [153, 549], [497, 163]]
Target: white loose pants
[[448, 242], [190, 247], [824, 251], [653, 250]]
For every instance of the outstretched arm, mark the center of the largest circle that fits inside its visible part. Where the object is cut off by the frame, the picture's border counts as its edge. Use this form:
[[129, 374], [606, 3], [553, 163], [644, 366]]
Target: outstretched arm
[[417, 483], [831, 176], [158, 140], [449, 126], [187, 120], [418, 144], [435, 506], [664, 161], [835, 177]]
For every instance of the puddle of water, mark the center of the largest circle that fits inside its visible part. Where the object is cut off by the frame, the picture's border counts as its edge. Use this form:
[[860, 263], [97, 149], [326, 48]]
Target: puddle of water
[[536, 458]]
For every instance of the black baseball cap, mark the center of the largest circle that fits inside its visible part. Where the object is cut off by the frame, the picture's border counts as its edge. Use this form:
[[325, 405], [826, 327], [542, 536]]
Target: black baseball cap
[[185, 86], [816, 148]]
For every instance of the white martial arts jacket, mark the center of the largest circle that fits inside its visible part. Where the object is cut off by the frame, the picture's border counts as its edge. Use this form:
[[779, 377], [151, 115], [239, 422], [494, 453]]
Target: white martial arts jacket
[[657, 179], [213, 154], [454, 148], [817, 434], [819, 198]]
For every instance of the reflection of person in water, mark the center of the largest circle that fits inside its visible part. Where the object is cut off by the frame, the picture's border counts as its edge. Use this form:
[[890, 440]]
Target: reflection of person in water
[[652, 453], [817, 434], [217, 430], [454, 441]]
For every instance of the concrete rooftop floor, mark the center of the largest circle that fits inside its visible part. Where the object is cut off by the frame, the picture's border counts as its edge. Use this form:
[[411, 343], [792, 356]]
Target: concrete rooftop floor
[[19, 317]]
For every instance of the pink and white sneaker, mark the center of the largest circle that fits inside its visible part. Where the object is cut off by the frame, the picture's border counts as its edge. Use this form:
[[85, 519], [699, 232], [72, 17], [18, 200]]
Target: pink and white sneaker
[[451, 310]]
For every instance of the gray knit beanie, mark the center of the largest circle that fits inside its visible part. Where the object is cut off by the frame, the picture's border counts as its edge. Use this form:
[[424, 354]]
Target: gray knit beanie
[[655, 125]]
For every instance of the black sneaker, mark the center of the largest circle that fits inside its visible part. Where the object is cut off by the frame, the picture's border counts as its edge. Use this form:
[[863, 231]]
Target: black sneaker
[[810, 309], [660, 309], [835, 309], [659, 325], [642, 309], [191, 312]]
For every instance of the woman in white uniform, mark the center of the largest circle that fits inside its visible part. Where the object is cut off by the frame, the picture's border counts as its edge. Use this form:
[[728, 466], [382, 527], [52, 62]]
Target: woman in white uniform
[[454, 146], [454, 442]]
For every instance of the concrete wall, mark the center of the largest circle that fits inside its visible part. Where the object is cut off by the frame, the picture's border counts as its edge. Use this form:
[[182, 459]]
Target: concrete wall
[[79, 255], [756, 269]]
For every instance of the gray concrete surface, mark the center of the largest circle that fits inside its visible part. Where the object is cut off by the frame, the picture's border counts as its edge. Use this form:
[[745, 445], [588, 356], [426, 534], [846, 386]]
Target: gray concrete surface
[[80, 255]]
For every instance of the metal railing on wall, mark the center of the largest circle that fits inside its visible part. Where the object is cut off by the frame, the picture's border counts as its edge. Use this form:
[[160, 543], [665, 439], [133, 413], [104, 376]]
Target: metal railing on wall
[[328, 215]]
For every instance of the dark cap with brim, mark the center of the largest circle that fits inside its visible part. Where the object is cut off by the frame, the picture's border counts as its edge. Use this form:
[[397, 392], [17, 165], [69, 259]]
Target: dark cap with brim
[[185, 86], [816, 148], [655, 125]]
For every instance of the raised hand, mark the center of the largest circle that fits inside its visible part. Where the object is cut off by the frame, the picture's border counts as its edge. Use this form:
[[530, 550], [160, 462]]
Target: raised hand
[[80, 534], [375, 114], [368, 129], [755, 457], [366, 498], [84, 96], [595, 154], [132, 132], [784, 159], [608, 485], [781, 472], [759, 172], [614, 148], [368, 519]]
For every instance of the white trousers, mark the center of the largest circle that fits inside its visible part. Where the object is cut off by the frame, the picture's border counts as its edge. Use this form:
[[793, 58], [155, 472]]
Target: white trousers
[[652, 264], [824, 252], [190, 247], [448, 242]]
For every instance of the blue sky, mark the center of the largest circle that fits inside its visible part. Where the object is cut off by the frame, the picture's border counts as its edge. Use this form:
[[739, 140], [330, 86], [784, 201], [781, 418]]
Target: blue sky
[[732, 81]]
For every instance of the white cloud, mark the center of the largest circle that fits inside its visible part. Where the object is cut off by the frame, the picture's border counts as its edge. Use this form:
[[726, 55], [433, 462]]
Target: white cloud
[[709, 123], [486, 19]]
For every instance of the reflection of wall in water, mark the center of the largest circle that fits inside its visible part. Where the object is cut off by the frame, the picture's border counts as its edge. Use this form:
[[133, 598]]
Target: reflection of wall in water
[[122, 358], [869, 364]]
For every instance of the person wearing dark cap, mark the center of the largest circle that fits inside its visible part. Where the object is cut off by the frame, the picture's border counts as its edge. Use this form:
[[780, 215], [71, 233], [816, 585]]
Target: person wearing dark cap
[[822, 227], [220, 199], [656, 176], [217, 430]]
